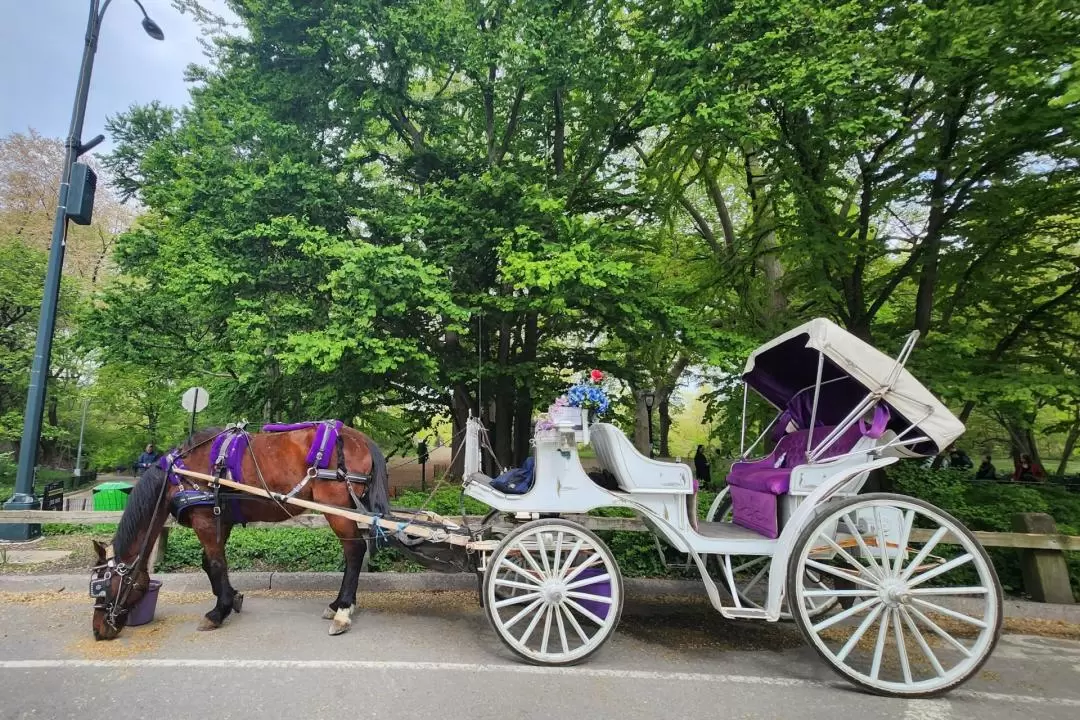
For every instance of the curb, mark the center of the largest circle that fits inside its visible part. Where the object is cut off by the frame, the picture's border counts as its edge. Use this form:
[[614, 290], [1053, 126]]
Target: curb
[[638, 588]]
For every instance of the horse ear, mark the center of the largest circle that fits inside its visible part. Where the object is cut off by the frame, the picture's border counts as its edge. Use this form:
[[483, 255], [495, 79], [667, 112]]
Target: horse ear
[[99, 548]]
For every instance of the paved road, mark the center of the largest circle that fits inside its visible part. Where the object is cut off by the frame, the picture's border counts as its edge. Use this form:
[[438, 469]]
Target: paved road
[[433, 655]]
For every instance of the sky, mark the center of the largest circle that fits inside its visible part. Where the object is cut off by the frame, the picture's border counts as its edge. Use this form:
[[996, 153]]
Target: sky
[[41, 44]]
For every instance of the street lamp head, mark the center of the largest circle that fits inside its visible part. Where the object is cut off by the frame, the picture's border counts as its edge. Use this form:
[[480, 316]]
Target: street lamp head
[[152, 28], [649, 398]]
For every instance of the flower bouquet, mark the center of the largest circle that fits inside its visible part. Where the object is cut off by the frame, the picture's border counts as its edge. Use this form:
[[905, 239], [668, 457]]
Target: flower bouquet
[[576, 407]]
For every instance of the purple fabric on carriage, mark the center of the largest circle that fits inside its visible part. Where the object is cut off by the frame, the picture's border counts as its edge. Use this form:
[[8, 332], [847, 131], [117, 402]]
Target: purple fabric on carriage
[[326, 435], [756, 485]]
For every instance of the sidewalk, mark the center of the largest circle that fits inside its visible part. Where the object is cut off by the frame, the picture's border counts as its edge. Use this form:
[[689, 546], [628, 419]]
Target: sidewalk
[[434, 582]]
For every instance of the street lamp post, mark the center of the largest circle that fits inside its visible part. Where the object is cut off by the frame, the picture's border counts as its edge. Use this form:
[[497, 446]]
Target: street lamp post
[[23, 498], [649, 399]]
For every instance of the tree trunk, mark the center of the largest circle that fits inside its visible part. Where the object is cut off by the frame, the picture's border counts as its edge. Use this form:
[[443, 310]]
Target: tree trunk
[[664, 411], [559, 150], [641, 423], [1070, 444], [763, 233]]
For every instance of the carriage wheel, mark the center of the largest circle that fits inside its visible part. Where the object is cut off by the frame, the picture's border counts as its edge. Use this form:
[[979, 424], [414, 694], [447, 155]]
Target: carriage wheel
[[752, 571], [925, 615], [553, 592]]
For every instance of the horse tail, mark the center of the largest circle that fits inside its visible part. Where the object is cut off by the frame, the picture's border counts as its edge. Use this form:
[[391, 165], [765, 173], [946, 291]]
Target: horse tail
[[379, 489]]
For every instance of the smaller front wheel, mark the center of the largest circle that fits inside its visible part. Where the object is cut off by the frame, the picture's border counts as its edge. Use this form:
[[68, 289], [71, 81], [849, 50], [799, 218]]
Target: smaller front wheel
[[553, 592]]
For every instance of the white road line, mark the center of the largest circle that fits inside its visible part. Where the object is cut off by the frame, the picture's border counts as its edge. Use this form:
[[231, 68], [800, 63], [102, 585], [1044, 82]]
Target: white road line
[[927, 710], [577, 672]]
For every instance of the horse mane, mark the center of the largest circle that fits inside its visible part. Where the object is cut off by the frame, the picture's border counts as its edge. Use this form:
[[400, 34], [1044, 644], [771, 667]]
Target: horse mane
[[139, 509], [144, 498]]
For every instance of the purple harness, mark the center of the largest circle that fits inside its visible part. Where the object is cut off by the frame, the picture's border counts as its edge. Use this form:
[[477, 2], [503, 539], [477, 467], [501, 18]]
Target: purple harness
[[227, 454], [326, 435]]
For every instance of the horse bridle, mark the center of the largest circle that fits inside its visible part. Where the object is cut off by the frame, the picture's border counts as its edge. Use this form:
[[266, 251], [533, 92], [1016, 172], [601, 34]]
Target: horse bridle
[[101, 575], [100, 580]]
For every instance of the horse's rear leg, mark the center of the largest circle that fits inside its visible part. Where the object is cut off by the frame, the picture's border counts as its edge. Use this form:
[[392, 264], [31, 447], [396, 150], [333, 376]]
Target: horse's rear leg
[[354, 546], [217, 570]]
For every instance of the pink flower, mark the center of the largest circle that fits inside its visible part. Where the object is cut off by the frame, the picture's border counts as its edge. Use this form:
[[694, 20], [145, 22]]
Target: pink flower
[[562, 401], [596, 376]]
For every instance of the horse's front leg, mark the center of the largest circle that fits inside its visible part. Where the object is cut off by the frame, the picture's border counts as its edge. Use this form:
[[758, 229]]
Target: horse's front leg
[[354, 546], [217, 570]]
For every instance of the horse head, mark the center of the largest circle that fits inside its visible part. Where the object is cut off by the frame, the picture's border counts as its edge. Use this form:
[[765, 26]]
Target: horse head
[[117, 586]]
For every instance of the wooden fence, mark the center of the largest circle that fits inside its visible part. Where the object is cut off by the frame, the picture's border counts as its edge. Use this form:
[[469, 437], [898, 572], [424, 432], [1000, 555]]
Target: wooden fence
[[1041, 554]]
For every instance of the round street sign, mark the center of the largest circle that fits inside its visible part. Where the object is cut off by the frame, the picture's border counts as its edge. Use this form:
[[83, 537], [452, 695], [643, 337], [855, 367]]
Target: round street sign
[[195, 399]]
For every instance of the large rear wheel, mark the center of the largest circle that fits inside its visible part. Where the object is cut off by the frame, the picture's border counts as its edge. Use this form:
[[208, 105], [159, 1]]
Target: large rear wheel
[[923, 603]]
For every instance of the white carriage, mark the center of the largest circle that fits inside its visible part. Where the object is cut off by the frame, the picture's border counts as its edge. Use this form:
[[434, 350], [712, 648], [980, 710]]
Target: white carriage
[[895, 594]]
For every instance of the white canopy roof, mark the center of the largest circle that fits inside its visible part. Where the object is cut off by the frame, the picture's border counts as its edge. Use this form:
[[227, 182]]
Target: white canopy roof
[[782, 368]]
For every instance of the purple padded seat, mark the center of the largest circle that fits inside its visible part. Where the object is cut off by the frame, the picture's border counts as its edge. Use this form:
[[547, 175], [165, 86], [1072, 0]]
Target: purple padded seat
[[756, 485]]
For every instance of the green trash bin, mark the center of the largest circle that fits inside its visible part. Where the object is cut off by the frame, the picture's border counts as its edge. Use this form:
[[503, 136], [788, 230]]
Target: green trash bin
[[112, 495]]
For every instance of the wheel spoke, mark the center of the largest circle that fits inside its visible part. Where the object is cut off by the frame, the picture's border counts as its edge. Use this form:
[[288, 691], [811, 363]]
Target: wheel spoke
[[886, 570], [558, 552], [517, 599], [583, 611], [905, 535], [923, 645], [901, 648], [854, 528], [589, 581], [532, 626], [934, 607], [843, 553], [859, 632], [590, 597], [841, 573], [514, 584], [940, 569], [879, 646], [757, 578], [939, 632], [595, 559], [562, 629], [750, 564], [525, 611], [542, 547], [969, 590], [574, 624], [850, 612], [833, 592], [530, 559], [520, 571], [547, 629], [567, 564], [926, 550]]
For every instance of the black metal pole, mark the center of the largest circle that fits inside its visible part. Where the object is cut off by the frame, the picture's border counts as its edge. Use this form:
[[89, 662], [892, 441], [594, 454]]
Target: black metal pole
[[194, 406], [23, 497], [39, 370]]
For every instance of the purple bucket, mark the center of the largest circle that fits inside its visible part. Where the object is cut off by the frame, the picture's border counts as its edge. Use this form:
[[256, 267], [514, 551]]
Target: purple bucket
[[143, 612], [601, 588]]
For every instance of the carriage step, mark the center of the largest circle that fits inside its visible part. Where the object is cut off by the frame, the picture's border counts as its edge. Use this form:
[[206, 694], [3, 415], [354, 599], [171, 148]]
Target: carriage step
[[743, 613]]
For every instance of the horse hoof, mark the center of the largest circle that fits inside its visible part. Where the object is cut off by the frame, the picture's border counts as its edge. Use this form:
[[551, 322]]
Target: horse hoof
[[208, 624], [238, 602], [328, 614], [342, 620]]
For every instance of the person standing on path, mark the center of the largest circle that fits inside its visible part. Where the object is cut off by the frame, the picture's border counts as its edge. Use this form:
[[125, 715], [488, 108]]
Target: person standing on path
[[701, 467]]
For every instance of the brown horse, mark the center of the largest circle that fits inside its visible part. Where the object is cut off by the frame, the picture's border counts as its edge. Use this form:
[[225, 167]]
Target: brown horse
[[352, 468]]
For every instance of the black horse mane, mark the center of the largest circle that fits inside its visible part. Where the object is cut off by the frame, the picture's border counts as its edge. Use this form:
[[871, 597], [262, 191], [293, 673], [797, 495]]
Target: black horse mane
[[144, 498], [139, 509]]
